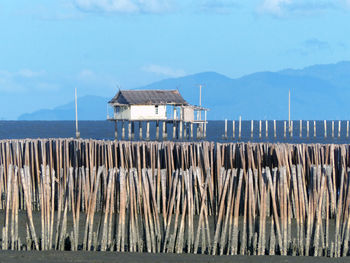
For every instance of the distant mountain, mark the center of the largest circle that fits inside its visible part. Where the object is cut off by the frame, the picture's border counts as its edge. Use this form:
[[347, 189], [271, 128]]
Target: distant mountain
[[317, 92], [89, 108]]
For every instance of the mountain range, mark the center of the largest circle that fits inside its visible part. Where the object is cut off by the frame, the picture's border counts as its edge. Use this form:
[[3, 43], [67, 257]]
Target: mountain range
[[317, 92]]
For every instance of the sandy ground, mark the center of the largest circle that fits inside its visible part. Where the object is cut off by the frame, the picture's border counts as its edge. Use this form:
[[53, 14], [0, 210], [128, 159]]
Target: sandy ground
[[54, 256]]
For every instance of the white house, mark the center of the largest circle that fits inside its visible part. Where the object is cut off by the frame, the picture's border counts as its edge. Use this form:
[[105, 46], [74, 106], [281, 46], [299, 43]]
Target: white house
[[154, 105]]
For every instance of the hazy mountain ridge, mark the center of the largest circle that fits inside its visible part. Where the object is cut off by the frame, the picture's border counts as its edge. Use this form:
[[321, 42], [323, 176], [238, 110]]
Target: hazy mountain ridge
[[318, 92], [90, 108]]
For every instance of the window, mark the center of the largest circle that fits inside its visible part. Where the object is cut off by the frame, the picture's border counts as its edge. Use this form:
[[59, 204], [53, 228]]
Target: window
[[156, 107]]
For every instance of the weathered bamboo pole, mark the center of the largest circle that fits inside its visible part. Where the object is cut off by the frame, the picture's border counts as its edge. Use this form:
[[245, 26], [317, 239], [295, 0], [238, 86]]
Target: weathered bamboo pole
[[252, 129], [240, 128], [260, 128]]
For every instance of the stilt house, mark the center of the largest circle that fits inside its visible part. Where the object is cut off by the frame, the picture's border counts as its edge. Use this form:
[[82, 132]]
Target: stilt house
[[167, 106]]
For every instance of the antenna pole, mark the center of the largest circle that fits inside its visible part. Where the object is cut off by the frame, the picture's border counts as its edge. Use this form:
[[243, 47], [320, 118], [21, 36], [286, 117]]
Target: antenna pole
[[200, 102], [77, 133]]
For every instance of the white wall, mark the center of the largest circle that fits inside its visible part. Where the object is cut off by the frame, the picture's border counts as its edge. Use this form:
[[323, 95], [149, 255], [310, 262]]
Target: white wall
[[147, 112], [122, 113], [188, 114]]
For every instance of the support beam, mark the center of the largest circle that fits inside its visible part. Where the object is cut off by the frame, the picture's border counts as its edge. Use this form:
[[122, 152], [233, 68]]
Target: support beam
[[116, 130], [174, 128], [147, 131], [180, 130], [185, 130], [164, 133], [140, 130], [132, 130], [123, 130], [191, 130], [157, 130], [129, 130]]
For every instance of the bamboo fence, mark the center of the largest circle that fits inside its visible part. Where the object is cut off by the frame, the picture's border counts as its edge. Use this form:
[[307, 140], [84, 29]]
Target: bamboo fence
[[202, 197]]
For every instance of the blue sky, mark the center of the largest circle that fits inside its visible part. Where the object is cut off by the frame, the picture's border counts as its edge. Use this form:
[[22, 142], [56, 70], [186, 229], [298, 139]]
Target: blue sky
[[48, 48]]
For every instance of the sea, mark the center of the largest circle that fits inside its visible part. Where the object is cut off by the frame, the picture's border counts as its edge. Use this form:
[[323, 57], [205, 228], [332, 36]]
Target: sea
[[104, 130]]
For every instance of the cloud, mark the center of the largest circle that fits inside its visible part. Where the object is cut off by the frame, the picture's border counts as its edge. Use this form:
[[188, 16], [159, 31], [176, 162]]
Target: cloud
[[314, 43], [309, 47], [24, 80], [126, 6], [218, 6], [164, 70], [86, 74], [27, 73], [285, 8]]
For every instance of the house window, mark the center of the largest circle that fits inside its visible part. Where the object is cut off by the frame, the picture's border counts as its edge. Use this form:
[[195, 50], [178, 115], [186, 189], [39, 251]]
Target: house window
[[156, 109]]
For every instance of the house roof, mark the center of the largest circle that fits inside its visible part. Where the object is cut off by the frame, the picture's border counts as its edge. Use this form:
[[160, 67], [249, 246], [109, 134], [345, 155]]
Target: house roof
[[148, 97]]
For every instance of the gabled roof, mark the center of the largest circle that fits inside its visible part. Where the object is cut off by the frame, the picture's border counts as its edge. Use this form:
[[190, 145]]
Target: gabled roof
[[148, 97]]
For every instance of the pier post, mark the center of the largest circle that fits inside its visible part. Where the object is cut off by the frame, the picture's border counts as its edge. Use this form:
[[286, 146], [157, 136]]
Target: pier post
[[132, 130], [129, 130], [251, 129], [339, 128], [332, 129], [165, 135], [147, 131], [285, 129], [157, 130], [174, 128], [191, 130], [185, 130], [199, 132], [233, 129], [315, 129], [123, 130], [205, 124], [115, 130], [225, 135], [240, 128], [274, 129], [347, 129], [325, 128], [291, 129], [140, 130], [267, 128], [301, 129], [307, 129], [260, 129], [180, 130]]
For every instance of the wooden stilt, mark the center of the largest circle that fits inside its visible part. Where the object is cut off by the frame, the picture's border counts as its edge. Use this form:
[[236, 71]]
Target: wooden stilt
[[116, 130]]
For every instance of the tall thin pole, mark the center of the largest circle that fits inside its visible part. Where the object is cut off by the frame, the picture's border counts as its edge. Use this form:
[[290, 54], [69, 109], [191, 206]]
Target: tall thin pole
[[289, 109], [200, 101], [77, 133]]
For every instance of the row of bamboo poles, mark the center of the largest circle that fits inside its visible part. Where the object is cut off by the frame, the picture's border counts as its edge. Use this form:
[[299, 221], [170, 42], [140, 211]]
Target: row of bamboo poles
[[262, 199]]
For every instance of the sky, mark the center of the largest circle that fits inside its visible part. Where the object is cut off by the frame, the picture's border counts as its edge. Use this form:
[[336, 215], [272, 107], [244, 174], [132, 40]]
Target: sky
[[48, 48]]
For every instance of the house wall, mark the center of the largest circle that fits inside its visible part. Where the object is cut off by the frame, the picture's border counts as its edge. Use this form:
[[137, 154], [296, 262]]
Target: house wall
[[188, 114], [122, 113], [147, 112]]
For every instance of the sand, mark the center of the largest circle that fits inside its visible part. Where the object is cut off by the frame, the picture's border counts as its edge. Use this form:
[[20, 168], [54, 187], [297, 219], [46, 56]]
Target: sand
[[100, 257]]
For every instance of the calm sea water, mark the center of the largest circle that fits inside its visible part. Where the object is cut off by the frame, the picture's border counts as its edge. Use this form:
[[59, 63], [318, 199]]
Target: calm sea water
[[104, 130]]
